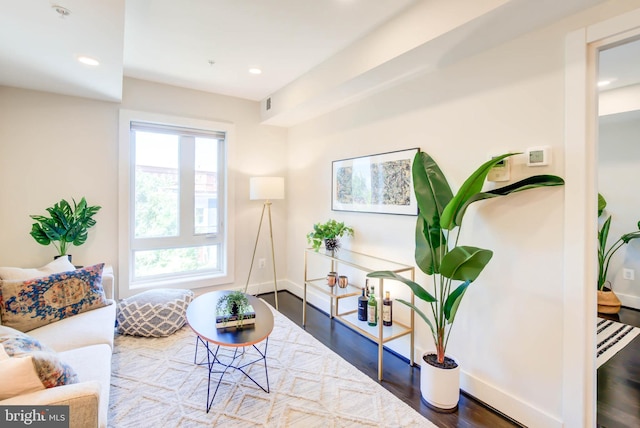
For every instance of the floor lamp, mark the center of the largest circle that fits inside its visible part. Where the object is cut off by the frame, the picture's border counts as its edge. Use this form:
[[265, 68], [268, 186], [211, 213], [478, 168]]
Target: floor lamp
[[267, 189]]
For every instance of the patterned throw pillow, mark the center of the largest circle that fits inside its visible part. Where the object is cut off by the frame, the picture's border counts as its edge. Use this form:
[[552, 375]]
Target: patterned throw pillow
[[50, 369], [25, 305], [153, 313]]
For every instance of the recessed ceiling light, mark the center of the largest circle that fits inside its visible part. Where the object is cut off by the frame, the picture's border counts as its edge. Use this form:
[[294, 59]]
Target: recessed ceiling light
[[255, 71], [605, 82], [88, 60], [61, 11]]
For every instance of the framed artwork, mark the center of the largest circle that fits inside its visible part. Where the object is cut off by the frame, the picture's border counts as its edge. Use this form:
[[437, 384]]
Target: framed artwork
[[380, 183]]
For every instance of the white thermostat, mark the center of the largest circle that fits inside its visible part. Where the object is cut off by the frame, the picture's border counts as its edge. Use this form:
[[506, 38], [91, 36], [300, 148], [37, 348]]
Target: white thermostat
[[538, 156]]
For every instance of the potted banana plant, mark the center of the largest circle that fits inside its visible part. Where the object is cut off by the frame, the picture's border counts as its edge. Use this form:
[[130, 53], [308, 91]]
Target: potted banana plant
[[608, 302], [451, 267], [66, 225]]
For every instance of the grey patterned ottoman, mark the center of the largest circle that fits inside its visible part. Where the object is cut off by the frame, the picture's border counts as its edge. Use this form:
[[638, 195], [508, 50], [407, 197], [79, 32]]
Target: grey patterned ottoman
[[153, 313]]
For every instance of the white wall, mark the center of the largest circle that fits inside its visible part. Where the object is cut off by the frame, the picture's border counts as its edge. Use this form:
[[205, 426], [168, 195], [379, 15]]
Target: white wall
[[54, 146], [508, 335], [619, 100], [618, 175]]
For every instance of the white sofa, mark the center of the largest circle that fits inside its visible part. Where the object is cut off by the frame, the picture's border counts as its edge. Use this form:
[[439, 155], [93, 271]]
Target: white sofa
[[85, 342]]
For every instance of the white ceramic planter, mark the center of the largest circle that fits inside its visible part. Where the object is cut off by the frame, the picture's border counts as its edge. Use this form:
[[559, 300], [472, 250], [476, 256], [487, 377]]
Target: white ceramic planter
[[440, 388]]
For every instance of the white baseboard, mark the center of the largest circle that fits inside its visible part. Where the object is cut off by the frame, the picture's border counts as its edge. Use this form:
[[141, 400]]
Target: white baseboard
[[629, 300], [513, 407]]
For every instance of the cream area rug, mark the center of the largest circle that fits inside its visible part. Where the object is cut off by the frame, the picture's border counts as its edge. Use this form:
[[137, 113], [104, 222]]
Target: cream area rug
[[611, 338], [155, 383]]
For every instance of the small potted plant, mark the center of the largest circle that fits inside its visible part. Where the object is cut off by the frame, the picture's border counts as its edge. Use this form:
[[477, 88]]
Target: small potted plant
[[328, 233], [232, 307], [608, 302], [67, 225]]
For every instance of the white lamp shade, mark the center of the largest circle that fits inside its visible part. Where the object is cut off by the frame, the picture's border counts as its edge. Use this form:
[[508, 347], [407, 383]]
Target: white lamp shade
[[266, 188]]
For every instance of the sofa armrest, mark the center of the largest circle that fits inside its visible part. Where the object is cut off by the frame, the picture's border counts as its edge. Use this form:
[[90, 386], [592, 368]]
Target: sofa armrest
[[108, 282], [82, 398]]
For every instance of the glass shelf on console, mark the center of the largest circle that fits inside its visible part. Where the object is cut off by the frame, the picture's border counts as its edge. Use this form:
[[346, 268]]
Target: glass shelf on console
[[392, 332]]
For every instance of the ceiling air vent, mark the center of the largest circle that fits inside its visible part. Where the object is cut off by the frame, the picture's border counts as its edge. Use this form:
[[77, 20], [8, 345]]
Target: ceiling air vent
[[269, 103]]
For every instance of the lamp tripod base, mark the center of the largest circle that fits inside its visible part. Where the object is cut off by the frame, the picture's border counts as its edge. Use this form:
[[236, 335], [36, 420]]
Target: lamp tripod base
[[267, 207]]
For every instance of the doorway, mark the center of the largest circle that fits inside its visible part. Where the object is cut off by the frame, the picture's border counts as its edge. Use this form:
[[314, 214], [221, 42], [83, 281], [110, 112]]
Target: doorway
[[618, 170], [618, 160], [579, 322]]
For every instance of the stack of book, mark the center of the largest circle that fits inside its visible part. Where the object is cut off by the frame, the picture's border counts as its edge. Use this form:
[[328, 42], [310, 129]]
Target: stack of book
[[247, 319]]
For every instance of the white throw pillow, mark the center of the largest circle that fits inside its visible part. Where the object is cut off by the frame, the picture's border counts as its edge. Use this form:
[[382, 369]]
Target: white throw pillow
[[18, 375], [61, 264]]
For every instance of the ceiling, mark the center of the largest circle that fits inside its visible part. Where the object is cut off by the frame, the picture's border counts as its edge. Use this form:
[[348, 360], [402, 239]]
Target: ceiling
[[210, 45], [207, 45], [620, 65]]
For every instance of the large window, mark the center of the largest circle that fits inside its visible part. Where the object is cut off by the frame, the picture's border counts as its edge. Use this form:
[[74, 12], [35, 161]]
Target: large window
[[176, 204]]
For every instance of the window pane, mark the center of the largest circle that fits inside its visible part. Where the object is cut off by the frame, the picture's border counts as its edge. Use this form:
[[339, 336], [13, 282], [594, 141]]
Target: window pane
[[206, 186], [175, 260], [156, 185]]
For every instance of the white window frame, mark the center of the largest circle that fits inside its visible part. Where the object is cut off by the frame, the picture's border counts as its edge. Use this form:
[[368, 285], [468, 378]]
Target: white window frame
[[127, 285]]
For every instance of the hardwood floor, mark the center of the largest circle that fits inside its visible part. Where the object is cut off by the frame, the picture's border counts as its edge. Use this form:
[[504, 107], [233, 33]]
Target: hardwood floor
[[619, 381], [403, 381], [618, 378]]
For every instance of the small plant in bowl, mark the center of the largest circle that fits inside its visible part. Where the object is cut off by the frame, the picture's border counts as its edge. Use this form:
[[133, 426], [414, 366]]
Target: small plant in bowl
[[328, 233], [234, 303]]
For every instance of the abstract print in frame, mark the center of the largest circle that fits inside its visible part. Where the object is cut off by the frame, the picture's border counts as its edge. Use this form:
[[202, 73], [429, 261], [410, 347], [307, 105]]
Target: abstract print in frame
[[380, 183]]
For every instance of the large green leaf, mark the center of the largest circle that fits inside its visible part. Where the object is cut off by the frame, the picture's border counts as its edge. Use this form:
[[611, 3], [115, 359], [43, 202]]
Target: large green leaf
[[417, 289], [603, 235], [39, 235], [430, 245], [432, 194], [630, 236], [602, 204], [470, 187], [421, 314], [453, 301], [526, 184], [423, 253], [465, 263], [431, 188]]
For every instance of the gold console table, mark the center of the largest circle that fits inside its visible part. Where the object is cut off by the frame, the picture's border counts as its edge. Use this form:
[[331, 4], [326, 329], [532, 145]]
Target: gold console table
[[362, 262]]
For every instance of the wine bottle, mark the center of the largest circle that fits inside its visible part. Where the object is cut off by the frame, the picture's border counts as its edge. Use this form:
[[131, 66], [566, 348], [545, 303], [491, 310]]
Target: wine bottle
[[362, 306], [372, 315], [387, 308]]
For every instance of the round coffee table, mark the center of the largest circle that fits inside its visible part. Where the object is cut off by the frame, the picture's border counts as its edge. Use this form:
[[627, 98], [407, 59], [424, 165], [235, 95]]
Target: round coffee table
[[201, 317]]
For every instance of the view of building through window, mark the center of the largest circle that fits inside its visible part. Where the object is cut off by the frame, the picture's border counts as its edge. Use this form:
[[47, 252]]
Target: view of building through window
[[176, 202]]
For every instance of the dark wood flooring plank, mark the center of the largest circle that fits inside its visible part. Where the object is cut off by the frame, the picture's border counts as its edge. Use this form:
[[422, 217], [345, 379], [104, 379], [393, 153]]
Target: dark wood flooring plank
[[619, 381]]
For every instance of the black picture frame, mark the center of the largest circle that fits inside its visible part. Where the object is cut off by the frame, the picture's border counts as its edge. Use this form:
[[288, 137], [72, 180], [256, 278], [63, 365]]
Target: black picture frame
[[380, 183]]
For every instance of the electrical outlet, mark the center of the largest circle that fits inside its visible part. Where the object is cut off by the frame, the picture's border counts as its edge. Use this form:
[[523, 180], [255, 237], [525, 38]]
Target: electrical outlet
[[628, 274], [262, 263]]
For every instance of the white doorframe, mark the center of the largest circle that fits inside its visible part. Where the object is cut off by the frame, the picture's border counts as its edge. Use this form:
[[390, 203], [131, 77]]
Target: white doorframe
[[580, 273]]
